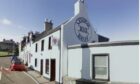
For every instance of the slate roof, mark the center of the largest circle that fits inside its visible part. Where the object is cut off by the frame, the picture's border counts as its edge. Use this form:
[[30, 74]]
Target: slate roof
[[46, 33]]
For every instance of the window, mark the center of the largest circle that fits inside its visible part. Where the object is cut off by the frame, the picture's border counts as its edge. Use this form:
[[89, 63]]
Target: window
[[101, 67], [42, 45], [49, 46], [47, 66], [36, 62], [36, 46]]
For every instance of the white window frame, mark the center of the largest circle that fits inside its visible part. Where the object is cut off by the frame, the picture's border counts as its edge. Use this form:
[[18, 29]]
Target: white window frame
[[100, 77]]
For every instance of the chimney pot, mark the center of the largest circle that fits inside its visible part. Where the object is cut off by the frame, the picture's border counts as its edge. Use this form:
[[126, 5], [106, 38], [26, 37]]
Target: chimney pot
[[48, 25]]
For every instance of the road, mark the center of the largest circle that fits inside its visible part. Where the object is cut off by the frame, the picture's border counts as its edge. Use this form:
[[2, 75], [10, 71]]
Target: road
[[13, 77]]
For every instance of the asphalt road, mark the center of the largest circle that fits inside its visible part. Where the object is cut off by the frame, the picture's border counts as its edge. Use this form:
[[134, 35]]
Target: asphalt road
[[13, 77], [5, 61]]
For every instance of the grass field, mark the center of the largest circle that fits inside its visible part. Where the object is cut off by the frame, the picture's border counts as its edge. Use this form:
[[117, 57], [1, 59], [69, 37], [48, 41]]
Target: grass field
[[5, 53]]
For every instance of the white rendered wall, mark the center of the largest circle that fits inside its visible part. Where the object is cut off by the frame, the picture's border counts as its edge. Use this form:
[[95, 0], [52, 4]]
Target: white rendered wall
[[54, 53], [74, 63], [69, 32], [123, 62]]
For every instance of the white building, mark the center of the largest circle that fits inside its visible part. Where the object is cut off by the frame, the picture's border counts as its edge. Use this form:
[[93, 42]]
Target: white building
[[73, 52]]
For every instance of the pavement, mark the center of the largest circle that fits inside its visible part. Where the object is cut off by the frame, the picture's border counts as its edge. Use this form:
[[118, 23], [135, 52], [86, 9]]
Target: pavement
[[5, 61], [38, 78]]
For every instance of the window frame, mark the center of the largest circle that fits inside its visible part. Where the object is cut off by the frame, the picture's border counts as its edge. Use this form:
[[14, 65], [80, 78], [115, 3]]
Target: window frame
[[42, 45], [93, 66], [50, 43], [47, 66], [35, 62], [36, 47]]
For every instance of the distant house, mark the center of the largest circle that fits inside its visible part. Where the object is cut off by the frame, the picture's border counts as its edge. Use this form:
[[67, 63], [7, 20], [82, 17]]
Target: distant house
[[75, 52], [8, 45]]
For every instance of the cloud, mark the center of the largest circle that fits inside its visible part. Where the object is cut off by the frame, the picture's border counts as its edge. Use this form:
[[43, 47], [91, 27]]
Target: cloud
[[8, 24], [6, 21], [9, 28]]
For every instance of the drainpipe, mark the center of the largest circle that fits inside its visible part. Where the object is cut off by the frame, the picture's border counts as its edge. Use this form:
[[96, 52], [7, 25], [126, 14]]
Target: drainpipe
[[60, 57]]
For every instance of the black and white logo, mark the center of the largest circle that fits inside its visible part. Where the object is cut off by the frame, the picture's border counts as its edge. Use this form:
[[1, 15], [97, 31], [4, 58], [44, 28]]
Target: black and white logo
[[82, 29]]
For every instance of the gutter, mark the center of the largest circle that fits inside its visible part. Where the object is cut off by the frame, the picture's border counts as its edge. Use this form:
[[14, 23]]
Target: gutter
[[60, 57], [105, 44]]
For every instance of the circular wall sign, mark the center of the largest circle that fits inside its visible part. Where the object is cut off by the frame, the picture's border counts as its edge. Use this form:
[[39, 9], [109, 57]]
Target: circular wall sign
[[82, 29]]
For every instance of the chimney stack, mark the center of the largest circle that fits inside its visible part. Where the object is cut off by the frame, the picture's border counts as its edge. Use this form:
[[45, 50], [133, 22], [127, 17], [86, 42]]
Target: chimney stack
[[80, 7], [48, 25]]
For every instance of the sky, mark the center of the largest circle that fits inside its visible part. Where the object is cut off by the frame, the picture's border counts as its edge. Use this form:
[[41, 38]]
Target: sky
[[115, 19]]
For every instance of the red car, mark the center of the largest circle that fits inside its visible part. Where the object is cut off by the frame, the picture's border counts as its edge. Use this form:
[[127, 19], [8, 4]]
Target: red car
[[17, 66]]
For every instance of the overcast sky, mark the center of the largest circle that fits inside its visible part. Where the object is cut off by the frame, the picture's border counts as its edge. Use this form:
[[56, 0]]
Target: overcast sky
[[116, 19]]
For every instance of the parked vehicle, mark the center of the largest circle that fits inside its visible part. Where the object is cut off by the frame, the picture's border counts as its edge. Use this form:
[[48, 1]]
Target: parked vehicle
[[17, 65]]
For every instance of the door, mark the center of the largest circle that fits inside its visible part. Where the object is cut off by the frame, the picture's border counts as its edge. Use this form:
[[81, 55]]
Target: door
[[101, 67], [26, 59], [52, 70], [41, 67]]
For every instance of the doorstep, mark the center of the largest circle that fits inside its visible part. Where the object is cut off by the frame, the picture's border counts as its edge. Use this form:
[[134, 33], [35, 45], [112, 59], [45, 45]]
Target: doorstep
[[83, 81]]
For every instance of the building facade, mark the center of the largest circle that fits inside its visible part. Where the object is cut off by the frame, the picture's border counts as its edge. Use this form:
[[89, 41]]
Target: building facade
[[73, 50], [8, 45], [115, 62]]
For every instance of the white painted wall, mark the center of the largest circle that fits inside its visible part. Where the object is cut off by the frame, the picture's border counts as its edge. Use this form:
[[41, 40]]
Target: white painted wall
[[69, 35], [54, 53], [123, 62], [74, 63], [69, 27]]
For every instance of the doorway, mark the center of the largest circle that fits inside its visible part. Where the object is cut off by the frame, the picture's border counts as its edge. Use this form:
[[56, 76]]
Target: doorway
[[52, 70], [41, 67]]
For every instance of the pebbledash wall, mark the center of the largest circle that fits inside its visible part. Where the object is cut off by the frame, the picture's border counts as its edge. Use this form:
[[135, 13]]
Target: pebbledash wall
[[79, 54]]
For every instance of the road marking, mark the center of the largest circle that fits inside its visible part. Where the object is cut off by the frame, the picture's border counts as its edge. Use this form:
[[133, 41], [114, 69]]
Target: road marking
[[0, 72], [31, 78], [0, 75]]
